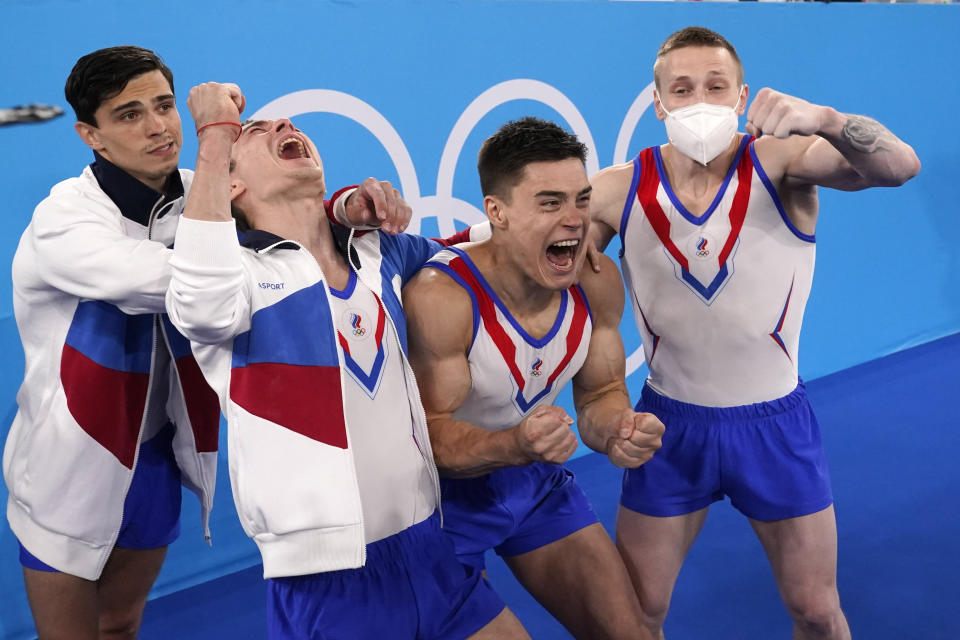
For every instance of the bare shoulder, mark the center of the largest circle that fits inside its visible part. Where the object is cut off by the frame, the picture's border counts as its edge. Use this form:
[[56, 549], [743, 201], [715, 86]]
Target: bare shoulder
[[610, 187], [604, 291], [437, 307]]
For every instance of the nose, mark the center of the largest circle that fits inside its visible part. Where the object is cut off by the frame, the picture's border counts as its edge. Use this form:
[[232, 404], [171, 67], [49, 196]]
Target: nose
[[283, 123], [155, 124], [573, 218]]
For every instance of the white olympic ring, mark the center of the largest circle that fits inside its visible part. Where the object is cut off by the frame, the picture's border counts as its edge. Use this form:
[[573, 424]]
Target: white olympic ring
[[444, 205]]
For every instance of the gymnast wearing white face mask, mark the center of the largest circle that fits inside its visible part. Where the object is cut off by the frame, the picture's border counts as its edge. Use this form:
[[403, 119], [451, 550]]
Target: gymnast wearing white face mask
[[702, 131], [717, 231]]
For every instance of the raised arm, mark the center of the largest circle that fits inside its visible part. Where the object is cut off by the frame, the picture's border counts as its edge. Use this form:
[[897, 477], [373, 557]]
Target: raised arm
[[438, 347], [818, 145], [605, 418], [207, 299]]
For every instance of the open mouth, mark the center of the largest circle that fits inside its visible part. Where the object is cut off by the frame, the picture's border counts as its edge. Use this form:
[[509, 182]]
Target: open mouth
[[562, 254], [161, 150], [292, 148]]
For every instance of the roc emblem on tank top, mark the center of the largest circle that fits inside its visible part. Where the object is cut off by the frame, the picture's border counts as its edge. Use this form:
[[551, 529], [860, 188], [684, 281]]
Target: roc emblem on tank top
[[704, 260], [359, 327], [533, 379]]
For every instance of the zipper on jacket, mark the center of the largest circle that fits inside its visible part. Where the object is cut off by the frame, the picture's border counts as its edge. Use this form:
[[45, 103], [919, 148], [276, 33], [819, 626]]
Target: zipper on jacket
[[150, 382], [153, 215], [204, 480]]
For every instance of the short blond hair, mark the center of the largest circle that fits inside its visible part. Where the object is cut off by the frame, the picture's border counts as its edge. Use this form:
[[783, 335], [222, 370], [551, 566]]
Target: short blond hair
[[694, 37]]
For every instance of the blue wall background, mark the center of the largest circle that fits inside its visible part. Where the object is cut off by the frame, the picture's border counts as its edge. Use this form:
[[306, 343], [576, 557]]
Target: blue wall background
[[886, 274]]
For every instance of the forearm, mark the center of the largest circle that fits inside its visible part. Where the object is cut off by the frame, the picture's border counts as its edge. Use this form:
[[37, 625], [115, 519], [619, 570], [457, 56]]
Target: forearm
[[872, 150], [464, 450], [209, 197], [81, 249], [597, 416]]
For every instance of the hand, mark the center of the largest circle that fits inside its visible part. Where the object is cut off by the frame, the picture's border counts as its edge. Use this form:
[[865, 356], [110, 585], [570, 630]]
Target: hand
[[639, 436], [545, 435], [593, 256], [777, 114], [378, 203], [215, 102]]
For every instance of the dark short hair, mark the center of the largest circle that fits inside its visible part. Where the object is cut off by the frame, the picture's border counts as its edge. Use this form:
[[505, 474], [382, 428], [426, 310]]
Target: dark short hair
[[695, 37], [504, 155], [103, 74]]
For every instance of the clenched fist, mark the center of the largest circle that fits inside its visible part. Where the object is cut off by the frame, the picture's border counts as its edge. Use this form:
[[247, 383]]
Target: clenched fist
[[638, 437], [215, 102], [777, 114], [545, 435]]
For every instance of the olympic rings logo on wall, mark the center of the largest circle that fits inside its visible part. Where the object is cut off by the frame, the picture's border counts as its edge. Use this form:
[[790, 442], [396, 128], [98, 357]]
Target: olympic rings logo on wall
[[443, 204]]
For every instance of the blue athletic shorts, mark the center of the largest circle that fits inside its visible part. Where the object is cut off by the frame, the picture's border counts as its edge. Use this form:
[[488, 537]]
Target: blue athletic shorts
[[766, 457], [513, 510], [411, 588], [151, 511]]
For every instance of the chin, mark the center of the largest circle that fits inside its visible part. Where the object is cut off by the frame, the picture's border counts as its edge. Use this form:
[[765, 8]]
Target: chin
[[559, 282]]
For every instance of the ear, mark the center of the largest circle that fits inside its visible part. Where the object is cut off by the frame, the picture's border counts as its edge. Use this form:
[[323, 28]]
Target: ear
[[89, 134], [744, 96], [237, 189], [496, 212], [657, 107]]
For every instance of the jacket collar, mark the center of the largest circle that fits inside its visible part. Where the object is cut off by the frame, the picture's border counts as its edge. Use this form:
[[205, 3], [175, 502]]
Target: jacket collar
[[260, 240], [135, 199], [263, 240]]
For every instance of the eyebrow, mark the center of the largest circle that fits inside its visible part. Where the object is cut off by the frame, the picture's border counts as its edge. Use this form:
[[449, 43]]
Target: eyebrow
[[249, 124], [561, 194], [127, 105], [133, 104], [712, 72]]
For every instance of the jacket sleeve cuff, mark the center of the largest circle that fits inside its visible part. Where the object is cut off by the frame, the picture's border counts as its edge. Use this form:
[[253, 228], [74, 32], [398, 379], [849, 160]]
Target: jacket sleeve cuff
[[336, 206]]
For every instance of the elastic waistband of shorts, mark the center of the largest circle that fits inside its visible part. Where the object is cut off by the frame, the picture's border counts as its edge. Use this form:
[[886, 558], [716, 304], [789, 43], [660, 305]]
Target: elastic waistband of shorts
[[653, 402], [413, 538]]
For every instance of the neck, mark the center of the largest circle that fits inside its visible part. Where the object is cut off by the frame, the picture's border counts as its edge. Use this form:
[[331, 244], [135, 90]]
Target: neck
[[519, 292], [689, 175], [304, 221]]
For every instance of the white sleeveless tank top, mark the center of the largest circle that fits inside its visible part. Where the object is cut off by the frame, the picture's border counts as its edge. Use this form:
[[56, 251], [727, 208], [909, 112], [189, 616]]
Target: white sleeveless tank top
[[718, 298], [512, 372]]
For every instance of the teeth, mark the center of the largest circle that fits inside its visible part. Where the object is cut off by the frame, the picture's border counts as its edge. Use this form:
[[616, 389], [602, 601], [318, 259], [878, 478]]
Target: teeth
[[566, 243], [299, 144]]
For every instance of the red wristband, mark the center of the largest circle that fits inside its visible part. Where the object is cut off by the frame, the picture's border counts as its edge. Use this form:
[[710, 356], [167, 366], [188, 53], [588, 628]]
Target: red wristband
[[213, 124]]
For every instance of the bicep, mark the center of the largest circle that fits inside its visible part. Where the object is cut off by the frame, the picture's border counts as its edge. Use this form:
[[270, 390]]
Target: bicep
[[603, 370], [605, 365], [438, 342]]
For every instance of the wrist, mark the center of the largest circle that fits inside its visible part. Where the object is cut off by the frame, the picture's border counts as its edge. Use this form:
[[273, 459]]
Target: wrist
[[234, 129], [831, 122], [517, 453]]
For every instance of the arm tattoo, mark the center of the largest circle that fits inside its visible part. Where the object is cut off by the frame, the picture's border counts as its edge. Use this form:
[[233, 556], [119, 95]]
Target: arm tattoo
[[866, 135]]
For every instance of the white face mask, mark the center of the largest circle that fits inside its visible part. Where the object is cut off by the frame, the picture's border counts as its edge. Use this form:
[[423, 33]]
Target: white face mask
[[701, 131]]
